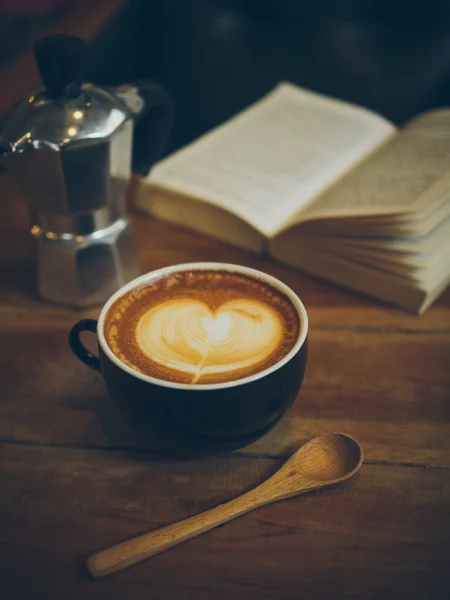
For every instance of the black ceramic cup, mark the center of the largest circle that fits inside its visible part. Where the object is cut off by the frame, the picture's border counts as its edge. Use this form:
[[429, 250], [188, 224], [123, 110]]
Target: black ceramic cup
[[203, 418]]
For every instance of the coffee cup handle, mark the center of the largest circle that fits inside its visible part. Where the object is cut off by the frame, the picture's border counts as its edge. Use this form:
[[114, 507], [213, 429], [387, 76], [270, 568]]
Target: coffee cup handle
[[77, 346]]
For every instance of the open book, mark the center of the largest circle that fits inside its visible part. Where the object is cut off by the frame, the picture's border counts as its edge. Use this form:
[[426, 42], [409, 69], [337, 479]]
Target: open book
[[324, 186]]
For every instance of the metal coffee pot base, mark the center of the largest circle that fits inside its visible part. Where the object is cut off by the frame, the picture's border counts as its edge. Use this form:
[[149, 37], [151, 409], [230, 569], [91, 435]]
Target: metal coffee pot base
[[83, 271]]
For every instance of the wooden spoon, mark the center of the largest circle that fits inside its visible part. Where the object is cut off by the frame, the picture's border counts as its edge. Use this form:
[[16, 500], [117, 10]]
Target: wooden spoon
[[321, 462]]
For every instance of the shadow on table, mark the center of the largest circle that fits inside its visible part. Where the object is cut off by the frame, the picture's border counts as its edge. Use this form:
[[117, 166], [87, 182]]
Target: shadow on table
[[109, 430]]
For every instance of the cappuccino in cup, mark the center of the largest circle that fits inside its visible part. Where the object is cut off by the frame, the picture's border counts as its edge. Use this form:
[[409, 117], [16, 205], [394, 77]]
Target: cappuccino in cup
[[200, 327], [200, 357]]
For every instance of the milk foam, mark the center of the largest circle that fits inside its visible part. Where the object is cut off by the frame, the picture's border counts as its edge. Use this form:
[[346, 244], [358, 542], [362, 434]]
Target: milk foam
[[185, 335]]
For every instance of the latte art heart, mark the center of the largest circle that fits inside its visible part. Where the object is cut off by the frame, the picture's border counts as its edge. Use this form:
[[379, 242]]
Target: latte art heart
[[184, 335], [206, 326]]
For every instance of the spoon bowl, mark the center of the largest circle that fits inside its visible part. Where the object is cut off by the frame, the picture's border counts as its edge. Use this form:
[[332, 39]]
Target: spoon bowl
[[331, 457]]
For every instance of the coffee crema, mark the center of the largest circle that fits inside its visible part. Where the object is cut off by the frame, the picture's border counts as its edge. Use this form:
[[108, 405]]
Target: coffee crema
[[202, 326]]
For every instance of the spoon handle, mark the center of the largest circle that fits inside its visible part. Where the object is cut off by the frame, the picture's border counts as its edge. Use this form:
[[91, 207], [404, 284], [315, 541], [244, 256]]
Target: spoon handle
[[144, 546]]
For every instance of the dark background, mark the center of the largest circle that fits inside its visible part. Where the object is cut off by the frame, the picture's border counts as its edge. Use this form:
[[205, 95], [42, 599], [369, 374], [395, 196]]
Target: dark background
[[217, 56]]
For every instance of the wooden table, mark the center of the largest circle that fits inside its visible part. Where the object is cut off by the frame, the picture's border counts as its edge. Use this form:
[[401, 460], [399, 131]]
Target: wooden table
[[74, 478]]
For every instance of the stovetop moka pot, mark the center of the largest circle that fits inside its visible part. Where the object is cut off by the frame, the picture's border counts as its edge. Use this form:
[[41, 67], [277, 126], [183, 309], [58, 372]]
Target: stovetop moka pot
[[72, 146]]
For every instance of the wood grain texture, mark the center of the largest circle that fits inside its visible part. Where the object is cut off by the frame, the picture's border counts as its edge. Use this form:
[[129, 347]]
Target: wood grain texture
[[76, 479], [382, 535]]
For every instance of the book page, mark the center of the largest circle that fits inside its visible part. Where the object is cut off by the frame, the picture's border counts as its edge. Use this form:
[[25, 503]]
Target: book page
[[422, 277], [275, 157], [416, 248], [421, 269], [361, 228], [351, 274], [406, 175], [202, 217]]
